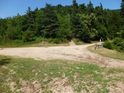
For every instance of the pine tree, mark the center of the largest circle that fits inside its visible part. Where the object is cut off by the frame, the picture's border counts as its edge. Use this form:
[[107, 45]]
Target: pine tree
[[75, 21], [122, 8], [76, 26], [30, 19], [82, 8], [75, 7], [38, 22], [90, 8], [50, 22], [122, 14]]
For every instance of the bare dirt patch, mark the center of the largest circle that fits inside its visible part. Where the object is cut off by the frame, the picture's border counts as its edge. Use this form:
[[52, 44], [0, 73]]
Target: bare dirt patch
[[117, 87], [61, 86], [73, 52], [27, 87]]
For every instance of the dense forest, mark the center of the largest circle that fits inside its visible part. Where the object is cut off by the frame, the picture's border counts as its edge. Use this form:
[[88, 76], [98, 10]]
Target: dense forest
[[63, 23]]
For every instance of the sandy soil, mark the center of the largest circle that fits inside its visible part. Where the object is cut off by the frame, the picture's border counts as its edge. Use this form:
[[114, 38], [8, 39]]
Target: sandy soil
[[72, 52]]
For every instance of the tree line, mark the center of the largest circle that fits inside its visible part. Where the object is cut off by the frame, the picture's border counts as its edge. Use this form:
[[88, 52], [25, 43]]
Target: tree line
[[84, 22]]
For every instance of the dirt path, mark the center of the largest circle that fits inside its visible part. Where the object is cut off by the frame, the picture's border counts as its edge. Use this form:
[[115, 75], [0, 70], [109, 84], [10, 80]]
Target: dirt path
[[72, 52]]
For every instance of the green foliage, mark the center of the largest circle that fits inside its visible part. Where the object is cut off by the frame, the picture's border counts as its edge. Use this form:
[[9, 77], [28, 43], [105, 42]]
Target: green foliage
[[74, 7], [76, 26], [78, 41], [65, 26], [27, 36], [118, 44], [108, 44], [57, 41], [121, 34], [90, 8], [38, 22], [80, 21], [101, 32], [50, 23], [122, 8], [89, 27]]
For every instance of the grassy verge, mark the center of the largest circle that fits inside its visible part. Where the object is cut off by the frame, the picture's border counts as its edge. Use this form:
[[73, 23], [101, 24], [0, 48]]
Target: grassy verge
[[40, 43], [78, 42], [108, 53], [30, 76]]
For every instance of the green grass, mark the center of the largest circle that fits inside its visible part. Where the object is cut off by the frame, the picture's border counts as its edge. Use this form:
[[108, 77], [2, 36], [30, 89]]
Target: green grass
[[80, 76], [37, 43], [107, 52], [78, 42]]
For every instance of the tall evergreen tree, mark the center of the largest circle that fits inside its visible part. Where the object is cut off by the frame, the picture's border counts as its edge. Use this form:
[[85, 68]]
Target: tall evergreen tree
[[75, 7], [122, 14], [75, 21], [76, 26], [90, 8], [50, 22], [85, 22], [82, 8], [3, 27], [38, 22], [65, 27], [122, 8], [30, 19]]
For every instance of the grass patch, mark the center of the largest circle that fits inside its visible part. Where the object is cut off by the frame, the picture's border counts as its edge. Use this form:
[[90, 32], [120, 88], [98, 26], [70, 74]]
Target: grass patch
[[37, 43], [20, 75], [108, 53], [78, 42]]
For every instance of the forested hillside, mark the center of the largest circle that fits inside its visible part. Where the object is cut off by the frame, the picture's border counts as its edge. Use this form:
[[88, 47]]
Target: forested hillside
[[63, 23]]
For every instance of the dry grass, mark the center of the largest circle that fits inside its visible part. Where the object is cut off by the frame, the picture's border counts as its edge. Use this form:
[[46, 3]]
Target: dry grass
[[107, 52], [56, 76]]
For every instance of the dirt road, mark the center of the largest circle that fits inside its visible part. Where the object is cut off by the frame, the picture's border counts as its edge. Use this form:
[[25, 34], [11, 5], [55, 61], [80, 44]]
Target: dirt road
[[73, 52]]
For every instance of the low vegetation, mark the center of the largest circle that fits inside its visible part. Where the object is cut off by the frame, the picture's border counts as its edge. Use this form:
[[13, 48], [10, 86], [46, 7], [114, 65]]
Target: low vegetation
[[62, 23], [53, 25], [107, 52], [37, 43], [56, 76], [117, 44]]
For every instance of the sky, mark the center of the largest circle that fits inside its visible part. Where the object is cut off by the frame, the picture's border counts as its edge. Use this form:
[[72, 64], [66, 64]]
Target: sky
[[9, 8]]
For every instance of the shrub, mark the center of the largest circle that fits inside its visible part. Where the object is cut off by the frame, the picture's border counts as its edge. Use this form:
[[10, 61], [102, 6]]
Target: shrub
[[57, 40], [117, 41], [118, 44], [28, 36], [108, 44], [122, 46], [78, 41]]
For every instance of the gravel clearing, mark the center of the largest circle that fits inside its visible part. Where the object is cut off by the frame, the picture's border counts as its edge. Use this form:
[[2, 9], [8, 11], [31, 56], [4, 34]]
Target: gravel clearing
[[72, 52]]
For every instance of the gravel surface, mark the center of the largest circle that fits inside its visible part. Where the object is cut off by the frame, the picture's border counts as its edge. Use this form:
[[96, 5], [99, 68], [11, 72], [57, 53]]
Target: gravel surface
[[72, 52]]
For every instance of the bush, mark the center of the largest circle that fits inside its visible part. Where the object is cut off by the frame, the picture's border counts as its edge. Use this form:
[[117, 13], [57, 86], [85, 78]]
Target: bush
[[117, 41], [57, 40], [118, 44], [78, 41], [28, 36], [122, 46], [108, 44]]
